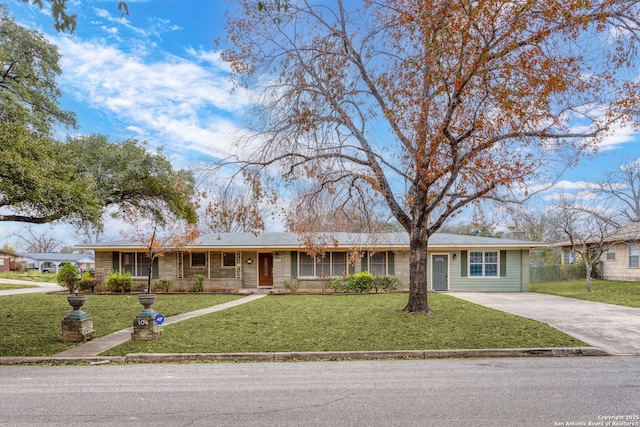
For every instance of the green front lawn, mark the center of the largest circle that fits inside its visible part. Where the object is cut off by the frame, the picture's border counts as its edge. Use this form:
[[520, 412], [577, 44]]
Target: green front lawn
[[31, 322], [607, 291], [349, 323]]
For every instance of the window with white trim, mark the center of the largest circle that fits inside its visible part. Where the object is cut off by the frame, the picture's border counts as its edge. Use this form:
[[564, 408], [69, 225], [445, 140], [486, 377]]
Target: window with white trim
[[378, 264], [332, 264], [483, 263], [611, 253], [634, 255]]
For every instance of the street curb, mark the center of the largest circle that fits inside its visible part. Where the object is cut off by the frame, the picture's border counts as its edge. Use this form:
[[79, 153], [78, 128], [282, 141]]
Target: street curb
[[307, 356]]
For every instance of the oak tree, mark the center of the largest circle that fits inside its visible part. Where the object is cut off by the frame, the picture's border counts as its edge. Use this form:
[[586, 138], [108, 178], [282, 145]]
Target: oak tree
[[37, 184], [468, 91], [125, 175], [432, 104]]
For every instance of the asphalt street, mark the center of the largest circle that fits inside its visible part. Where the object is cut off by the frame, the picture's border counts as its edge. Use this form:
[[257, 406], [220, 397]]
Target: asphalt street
[[454, 392]]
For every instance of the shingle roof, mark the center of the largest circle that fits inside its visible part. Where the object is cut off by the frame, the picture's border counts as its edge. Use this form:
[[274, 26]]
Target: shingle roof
[[294, 241], [57, 257]]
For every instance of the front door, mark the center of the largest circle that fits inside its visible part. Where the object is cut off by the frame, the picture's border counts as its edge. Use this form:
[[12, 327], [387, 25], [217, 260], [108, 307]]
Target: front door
[[440, 267], [265, 270]]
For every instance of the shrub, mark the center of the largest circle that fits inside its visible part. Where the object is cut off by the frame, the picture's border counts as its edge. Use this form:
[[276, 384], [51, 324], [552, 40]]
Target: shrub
[[292, 286], [198, 282], [164, 284], [88, 281], [119, 282], [68, 276], [386, 284], [337, 284], [360, 283]]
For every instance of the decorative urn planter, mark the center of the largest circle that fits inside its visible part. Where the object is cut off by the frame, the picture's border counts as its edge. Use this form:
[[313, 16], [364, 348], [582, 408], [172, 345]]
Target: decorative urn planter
[[145, 325], [147, 300], [77, 301], [77, 325]]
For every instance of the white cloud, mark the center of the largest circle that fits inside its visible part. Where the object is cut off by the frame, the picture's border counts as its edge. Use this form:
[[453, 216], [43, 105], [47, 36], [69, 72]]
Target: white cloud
[[170, 100]]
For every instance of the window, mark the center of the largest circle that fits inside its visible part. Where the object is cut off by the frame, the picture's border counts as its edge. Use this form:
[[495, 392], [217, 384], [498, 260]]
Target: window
[[135, 263], [198, 259], [323, 265], [332, 264], [611, 253], [634, 255], [483, 263], [378, 264], [129, 263], [567, 256], [143, 263], [307, 265], [228, 259], [339, 263]]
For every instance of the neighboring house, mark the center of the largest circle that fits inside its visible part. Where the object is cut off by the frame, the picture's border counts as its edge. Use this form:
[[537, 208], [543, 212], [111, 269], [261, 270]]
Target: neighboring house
[[621, 256], [245, 261], [51, 262], [6, 258]]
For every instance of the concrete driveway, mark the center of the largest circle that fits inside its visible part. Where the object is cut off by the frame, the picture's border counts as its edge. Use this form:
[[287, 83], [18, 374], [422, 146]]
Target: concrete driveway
[[42, 287], [613, 328]]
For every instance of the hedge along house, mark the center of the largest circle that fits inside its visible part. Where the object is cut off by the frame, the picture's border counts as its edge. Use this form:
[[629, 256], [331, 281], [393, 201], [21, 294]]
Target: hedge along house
[[245, 262]]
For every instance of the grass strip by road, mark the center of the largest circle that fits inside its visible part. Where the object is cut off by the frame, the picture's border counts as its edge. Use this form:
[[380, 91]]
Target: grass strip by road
[[349, 323], [31, 322], [30, 275], [607, 291], [8, 287]]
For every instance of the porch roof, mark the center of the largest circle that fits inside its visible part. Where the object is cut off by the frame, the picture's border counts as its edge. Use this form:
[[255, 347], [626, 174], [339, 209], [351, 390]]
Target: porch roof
[[293, 241]]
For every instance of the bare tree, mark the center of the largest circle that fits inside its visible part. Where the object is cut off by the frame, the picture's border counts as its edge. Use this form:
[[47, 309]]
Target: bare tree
[[432, 105], [232, 209], [36, 240], [622, 187], [588, 229]]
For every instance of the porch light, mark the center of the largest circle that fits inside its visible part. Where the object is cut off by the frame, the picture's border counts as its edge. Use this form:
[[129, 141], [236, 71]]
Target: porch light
[[455, 256]]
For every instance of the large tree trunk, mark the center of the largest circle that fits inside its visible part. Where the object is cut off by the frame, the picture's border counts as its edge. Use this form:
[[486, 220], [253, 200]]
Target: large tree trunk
[[418, 302], [588, 268]]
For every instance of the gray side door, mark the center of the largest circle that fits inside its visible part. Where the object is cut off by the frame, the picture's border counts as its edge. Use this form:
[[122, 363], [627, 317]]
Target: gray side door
[[440, 266]]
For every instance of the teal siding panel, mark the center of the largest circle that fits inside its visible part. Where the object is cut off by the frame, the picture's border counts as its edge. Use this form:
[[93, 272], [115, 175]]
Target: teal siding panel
[[512, 281], [463, 263]]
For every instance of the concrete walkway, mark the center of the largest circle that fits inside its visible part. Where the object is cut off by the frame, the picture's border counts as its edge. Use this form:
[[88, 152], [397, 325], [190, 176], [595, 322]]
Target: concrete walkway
[[42, 287], [613, 328], [99, 345]]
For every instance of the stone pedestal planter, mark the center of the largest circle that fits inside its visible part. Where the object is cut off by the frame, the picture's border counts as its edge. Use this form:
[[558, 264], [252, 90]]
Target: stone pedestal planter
[[76, 325], [145, 327]]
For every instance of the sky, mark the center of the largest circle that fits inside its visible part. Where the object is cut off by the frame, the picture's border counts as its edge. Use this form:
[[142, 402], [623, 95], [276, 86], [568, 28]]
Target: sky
[[155, 75]]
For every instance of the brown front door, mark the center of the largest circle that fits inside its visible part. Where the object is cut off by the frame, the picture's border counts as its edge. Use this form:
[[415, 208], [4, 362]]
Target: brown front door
[[265, 270]]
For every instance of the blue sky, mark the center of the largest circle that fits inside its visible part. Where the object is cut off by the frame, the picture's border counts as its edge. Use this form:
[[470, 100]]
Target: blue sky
[[151, 75], [154, 75]]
